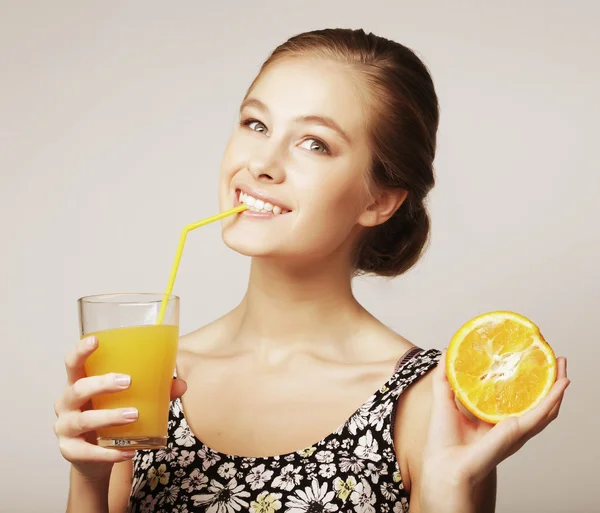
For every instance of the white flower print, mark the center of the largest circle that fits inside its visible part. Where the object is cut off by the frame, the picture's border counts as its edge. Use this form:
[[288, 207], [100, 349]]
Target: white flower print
[[223, 498], [363, 498], [147, 460], [137, 487], [313, 498], [327, 470], [380, 415], [227, 470], [389, 491], [180, 509], [387, 434], [148, 504], [402, 506], [169, 453], [360, 420], [368, 447], [168, 495], [258, 476], [186, 458], [333, 444], [176, 408], [346, 443], [375, 471], [208, 458], [289, 478], [324, 456], [196, 481], [351, 464], [183, 435]]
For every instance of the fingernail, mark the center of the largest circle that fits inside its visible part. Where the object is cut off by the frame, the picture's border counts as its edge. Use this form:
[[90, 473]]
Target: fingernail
[[128, 454], [123, 380], [130, 413], [91, 342]]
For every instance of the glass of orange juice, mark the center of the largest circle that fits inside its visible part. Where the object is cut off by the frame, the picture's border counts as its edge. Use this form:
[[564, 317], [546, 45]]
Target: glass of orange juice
[[130, 341]]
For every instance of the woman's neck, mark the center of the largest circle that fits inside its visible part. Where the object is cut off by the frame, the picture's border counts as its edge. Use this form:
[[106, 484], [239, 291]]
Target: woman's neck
[[294, 307]]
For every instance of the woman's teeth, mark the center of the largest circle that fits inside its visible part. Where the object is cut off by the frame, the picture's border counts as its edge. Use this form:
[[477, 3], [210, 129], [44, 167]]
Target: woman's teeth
[[257, 205]]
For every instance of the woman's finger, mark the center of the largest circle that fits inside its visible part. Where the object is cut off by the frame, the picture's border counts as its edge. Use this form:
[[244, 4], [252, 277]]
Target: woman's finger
[[561, 367], [78, 450], [504, 437], [75, 360], [74, 424], [84, 389], [178, 388], [541, 412]]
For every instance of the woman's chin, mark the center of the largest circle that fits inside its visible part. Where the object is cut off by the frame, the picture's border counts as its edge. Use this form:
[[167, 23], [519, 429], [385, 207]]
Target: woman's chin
[[250, 248]]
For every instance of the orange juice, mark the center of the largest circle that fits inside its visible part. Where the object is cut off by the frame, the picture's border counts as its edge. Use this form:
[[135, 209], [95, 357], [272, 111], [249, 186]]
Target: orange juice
[[147, 354]]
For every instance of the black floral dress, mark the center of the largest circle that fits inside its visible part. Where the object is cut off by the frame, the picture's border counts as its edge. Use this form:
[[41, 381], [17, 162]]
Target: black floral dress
[[354, 469]]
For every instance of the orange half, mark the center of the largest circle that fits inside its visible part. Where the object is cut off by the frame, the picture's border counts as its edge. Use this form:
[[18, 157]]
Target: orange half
[[499, 365]]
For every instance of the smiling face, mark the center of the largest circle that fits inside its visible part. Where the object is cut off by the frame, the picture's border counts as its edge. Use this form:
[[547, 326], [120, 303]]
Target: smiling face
[[300, 158]]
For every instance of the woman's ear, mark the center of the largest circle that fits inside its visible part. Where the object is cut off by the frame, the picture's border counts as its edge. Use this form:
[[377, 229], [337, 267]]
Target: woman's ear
[[383, 207]]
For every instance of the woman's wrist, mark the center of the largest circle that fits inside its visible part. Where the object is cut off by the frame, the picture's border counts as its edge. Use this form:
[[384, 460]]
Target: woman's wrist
[[88, 493], [452, 493]]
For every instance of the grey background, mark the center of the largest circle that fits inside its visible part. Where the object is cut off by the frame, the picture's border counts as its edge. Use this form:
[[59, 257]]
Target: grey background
[[113, 119]]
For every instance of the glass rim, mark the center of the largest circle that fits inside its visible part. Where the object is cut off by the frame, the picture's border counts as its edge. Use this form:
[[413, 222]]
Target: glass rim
[[116, 297]]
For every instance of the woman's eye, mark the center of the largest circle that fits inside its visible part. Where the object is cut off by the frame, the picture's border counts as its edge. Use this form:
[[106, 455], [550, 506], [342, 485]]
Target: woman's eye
[[255, 125], [315, 145]]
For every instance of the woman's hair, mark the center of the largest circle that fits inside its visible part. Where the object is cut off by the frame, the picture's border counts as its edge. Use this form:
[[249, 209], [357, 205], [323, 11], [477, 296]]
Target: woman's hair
[[404, 112]]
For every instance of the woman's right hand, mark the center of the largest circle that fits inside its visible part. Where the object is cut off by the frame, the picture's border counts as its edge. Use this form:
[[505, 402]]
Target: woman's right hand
[[77, 422]]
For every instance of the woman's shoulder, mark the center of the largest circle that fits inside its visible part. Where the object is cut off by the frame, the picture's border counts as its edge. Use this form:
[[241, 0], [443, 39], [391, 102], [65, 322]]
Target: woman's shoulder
[[413, 413], [207, 338]]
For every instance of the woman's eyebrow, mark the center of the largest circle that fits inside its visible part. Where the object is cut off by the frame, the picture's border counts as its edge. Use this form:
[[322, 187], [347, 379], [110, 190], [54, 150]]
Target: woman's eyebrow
[[313, 119]]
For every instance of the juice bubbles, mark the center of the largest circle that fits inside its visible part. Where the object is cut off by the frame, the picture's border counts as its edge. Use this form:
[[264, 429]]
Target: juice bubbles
[[147, 354]]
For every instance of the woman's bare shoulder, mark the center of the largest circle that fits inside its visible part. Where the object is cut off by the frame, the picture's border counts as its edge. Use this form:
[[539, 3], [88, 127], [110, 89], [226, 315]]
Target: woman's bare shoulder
[[411, 426]]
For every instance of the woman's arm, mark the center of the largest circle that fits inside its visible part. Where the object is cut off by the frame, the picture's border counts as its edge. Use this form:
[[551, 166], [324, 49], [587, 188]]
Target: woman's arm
[[89, 495], [450, 460], [120, 487], [106, 494], [410, 437]]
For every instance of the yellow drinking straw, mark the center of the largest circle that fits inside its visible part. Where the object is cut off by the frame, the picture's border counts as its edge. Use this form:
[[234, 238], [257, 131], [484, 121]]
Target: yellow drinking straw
[[186, 230]]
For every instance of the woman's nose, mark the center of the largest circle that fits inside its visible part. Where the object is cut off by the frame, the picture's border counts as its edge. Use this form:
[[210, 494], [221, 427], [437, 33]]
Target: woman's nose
[[267, 166]]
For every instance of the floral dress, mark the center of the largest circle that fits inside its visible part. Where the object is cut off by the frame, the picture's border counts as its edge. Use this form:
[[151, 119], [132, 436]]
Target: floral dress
[[353, 469]]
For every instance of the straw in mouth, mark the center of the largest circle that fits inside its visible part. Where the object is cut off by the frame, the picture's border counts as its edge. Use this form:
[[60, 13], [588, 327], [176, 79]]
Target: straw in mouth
[[178, 254]]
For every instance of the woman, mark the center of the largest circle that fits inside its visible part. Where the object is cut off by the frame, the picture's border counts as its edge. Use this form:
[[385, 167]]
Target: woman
[[334, 155]]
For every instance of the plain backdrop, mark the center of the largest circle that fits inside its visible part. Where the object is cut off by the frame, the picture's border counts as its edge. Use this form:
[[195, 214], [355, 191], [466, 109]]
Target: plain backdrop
[[113, 120]]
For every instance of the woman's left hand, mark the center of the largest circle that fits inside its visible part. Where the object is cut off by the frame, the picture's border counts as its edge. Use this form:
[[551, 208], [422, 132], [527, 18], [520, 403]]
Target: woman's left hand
[[468, 450]]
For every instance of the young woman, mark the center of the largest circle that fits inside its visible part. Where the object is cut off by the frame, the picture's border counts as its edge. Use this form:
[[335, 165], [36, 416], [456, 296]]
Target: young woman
[[300, 400]]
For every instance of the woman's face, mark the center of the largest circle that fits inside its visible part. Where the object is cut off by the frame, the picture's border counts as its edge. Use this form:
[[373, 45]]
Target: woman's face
[[299, 157]]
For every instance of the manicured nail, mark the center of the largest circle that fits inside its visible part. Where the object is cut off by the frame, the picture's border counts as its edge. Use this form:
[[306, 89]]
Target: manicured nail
[[127, 454], [123, 380], [91, 342], [130, 413]]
